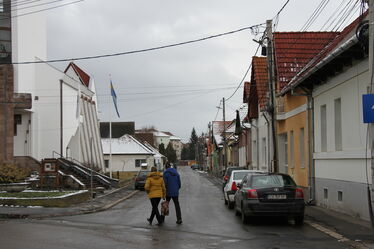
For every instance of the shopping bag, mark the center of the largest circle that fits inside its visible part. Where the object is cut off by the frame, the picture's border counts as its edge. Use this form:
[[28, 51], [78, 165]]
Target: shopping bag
[[165, 208]]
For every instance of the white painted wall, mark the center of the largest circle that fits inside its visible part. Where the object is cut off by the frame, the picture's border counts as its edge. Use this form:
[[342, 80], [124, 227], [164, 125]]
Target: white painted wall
[[29, 41], [350, 163], [125, 163], [242, 156]]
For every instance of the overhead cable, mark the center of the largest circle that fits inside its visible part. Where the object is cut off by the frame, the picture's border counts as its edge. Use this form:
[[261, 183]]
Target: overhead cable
[[139, 50]]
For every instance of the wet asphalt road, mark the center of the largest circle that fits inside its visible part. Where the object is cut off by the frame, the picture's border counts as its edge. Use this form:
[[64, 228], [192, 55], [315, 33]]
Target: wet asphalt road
[[207, 223]]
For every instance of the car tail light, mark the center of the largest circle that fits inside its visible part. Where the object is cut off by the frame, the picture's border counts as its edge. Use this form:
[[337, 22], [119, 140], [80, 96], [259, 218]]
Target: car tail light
[[252, 194], [234, 187], [225, 178], [299, 194]]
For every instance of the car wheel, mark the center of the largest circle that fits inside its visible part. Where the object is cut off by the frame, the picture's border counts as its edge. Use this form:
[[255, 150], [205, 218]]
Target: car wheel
[[231, 205], [237, 213], [244, 217], [299, 220]]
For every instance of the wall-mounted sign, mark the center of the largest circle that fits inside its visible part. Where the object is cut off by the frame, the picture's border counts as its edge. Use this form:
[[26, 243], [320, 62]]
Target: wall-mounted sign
[[368, 108]]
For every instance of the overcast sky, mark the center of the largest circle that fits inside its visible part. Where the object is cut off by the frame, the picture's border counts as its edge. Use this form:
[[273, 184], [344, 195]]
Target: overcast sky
[[177, 88]]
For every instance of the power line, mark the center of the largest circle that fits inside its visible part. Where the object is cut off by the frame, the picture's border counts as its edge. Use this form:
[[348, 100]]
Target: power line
[[38, 11], [245, 75], [140, 50]]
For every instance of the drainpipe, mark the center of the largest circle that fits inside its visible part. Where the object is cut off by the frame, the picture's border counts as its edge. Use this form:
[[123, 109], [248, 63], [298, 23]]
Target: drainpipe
[[312, 172]]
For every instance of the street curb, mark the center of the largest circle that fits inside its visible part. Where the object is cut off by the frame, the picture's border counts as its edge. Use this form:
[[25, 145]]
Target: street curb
[[95, 210]]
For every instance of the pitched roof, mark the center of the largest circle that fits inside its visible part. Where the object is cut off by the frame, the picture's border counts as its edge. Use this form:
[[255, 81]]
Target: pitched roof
[[125, 145], [218, 128], [330, 48], [83, 76], [259, 78], [293, 50]]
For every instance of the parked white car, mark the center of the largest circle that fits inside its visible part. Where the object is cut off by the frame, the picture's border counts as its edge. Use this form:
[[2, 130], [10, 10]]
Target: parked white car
[[231, 186]]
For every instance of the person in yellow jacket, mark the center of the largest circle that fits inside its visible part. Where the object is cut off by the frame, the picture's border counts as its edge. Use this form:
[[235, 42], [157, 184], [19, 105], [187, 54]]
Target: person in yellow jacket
[[155, 188]]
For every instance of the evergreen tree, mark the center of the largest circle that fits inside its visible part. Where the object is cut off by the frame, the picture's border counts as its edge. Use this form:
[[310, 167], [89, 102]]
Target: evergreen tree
[[161, 149], [171, 154], [192, 146], [185, 153]]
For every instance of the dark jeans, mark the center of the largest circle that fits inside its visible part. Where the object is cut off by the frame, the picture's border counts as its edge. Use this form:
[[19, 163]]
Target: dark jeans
[[176, 204], [155, 202]]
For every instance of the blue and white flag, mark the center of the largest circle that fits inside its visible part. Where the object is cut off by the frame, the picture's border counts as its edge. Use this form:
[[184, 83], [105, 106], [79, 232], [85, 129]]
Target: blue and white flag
[[114, 96]]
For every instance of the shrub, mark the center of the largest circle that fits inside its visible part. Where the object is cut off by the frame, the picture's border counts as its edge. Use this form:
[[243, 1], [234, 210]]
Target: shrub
[[11, 173]]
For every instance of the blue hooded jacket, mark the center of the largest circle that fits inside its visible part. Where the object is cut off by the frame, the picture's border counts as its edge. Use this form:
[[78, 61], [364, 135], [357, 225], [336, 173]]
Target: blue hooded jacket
[[172, 182]]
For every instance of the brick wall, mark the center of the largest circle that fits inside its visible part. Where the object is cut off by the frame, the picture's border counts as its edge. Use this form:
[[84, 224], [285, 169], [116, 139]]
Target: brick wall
[[6, 112]]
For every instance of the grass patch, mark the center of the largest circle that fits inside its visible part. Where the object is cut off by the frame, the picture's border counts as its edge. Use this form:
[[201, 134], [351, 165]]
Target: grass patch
[[34, 194]]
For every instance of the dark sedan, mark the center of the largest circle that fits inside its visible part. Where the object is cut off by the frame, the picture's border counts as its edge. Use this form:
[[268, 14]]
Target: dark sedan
[[269, 194], [140, 178]]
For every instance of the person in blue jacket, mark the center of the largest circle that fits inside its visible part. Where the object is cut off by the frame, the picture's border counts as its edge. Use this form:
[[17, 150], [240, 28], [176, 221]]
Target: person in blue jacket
[[173, 184]]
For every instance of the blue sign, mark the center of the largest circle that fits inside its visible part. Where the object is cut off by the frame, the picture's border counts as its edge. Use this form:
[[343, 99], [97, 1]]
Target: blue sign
[[368, 106]]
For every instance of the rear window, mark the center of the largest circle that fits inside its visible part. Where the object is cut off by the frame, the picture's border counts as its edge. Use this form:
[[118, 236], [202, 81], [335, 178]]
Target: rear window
[[239, 175], [230, 170], [263, 181], [143, 173]]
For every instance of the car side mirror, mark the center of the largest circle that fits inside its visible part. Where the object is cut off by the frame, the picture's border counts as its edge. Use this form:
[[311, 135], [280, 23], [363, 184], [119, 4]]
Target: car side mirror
[[239, 185]]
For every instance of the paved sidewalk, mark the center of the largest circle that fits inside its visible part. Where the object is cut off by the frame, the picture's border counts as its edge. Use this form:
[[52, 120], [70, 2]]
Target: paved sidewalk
[[352, 231], [101, 203]]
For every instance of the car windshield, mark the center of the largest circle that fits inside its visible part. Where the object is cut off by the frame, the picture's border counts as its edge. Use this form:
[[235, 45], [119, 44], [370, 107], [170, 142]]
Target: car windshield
[[239, 175], [264, 181]]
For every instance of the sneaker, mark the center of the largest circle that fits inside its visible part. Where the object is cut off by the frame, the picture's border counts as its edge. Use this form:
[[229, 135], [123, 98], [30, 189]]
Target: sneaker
[[149, 221], [179, 222]]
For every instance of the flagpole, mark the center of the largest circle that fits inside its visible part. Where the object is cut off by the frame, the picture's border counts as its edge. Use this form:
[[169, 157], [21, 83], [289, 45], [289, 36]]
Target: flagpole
[[79, 122], [110, 135]]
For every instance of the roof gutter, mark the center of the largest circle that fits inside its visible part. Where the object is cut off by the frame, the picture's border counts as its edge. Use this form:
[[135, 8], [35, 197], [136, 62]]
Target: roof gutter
[[297, 79]]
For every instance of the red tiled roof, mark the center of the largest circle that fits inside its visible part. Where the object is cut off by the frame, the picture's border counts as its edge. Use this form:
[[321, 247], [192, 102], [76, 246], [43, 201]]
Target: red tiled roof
[[335, 43], [84, 77], [293, 50], [259, 78], [246, 91]]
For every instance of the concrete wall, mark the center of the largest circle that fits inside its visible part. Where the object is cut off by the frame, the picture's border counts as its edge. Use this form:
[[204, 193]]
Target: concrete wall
[[346, 170]]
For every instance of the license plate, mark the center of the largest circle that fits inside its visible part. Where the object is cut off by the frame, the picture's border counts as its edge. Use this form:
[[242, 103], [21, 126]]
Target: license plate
[[277, 197]]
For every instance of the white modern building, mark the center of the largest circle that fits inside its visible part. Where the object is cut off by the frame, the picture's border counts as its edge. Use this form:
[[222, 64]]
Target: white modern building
[[63, 118]]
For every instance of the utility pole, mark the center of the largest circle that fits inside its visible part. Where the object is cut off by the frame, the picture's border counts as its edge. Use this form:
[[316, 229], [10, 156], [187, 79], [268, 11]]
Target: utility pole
[[61, 120], [224, 136], [272, 107], [371, 126]]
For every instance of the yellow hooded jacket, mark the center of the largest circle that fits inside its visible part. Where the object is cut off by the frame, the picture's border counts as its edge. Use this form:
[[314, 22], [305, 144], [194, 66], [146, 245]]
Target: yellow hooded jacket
[[155, 185]]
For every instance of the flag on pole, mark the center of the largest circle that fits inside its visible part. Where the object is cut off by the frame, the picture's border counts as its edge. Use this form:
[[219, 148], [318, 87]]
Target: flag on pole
[[114, 96]]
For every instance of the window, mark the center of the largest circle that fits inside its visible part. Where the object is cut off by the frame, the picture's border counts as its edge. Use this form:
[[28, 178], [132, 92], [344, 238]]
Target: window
[[106, 163], [323, 129], [325, 193], [254, 151], [264, 152], [292, 150], [340, 195], [338, 124], [302, 148], [138, 162]]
